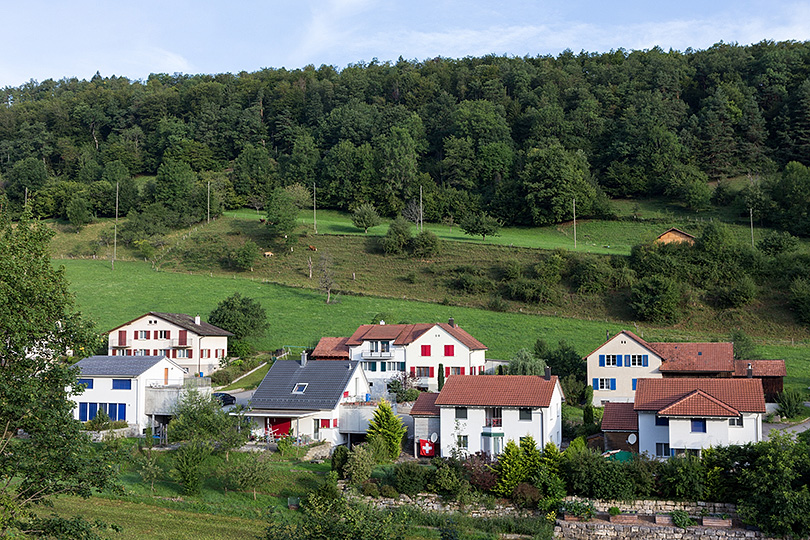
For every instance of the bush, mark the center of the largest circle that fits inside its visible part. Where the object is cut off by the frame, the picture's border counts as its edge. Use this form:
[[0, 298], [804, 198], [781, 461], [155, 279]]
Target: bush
[[339, 459], [407, 395], [778, 242], [409, 478], [800, 300], [614, 511], [656, 299], [370, 489], [398, 237], [736, 295], [583, 510], [471, 283], [526, 495], [479, 471], [791, 403], [389, 492], [359, 465], [99, 422], [425, 244], [682, 478]]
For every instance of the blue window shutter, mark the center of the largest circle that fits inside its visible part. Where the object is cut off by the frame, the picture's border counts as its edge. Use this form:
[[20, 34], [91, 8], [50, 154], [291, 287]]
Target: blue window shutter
[[595, 383], [83, 412], [634, 383], [122, 411], [619, 360], [644, 360], [93, 411], [613, 384], [601, 360], [402, 366], [382, 366], [373, 366]]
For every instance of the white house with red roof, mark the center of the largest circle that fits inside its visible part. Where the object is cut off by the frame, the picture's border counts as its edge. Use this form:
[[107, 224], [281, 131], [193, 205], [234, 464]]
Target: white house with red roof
[[420, 350], [480, 414], [616, 366], [675, 416], [190, 342], [426, 425]]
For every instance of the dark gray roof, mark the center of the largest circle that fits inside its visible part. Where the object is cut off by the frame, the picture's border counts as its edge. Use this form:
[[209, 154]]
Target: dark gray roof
[[326, 380], [116, 366], [184, 321]]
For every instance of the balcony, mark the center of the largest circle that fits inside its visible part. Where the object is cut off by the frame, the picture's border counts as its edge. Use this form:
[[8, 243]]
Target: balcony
[[181, 344], [493, 423], [115, 344], [161, 397], [354, 417], [377, 355]]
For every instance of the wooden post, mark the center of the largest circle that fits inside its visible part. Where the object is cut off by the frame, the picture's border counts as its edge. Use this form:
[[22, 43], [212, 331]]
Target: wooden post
[[314, 213], [575, 223], [115, 229], [751, 215]]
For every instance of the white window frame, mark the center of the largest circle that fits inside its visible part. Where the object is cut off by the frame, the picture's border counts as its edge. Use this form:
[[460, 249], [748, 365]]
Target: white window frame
[[636, 360], [604, 383], [162, 334], [142, 334], [463, 442], [611, 360], [662, 449], [299, 388], [182, 353], [737, 421]]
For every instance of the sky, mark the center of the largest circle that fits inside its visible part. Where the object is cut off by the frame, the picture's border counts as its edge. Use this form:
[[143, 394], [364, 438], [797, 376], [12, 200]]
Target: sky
[[53, 39]]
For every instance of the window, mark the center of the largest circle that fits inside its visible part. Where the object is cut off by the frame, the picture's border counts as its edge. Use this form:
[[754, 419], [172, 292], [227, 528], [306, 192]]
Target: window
[[182, 353], [735, 422], [611, 360], [698, 425], [461, 413], [370, 366], [525, 414], [116, 411], [163, 334], [88, 383], [122, 384], [636, 360], [378, 346], [165, 352], [316, 429], [392, 366], [661, 449], [661, 421], [299, 388], [462, 442], [325, 423], [141, 352], [494, 417], [425, 350], [143, 334], [607, 384], [423, 372], [449, 350], [455, 371]]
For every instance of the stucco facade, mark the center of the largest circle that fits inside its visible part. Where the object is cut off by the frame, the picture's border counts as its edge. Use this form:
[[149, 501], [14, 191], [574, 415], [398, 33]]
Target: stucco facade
[[615, 367]]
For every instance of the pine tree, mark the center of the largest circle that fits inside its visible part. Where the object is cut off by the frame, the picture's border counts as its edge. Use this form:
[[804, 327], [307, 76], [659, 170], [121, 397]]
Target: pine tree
[[388, 427]]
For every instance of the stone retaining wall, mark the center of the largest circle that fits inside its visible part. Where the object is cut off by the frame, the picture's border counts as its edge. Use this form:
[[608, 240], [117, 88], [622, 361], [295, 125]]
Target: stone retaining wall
[[98, 436], [588, 530], [651, 507]]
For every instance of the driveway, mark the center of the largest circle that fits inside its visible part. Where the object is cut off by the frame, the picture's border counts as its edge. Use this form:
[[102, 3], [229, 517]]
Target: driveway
[[791, 428]]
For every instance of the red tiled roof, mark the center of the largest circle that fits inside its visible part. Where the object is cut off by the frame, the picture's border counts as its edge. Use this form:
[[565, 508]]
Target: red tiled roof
[[696, 357], [698, 403], [761, 368], [631, 335], [497, 391], [331, 348], [403, 334], [678, 231], [425, 405], [743, 394], [619, 417]]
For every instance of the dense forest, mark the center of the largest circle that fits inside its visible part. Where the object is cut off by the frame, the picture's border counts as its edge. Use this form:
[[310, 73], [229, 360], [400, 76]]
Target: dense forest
[[518, 138]]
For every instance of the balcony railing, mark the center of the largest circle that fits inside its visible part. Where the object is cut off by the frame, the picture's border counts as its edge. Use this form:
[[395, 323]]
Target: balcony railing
[[181, 343], [115, 344], [494, 422], [376, 355]]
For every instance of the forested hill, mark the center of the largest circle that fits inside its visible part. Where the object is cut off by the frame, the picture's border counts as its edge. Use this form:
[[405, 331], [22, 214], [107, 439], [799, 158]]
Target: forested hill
[[516, 137]]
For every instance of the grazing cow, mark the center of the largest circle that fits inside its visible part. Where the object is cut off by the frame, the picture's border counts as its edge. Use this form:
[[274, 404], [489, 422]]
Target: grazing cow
[[313, 248], [268, 254], [262, 220]]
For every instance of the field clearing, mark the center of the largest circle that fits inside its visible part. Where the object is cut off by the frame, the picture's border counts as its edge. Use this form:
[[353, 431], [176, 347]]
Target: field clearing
[[299, 317]]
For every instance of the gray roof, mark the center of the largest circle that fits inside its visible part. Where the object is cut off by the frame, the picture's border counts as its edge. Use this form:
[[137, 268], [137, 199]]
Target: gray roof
[[116, 366], [326, 380], [184, 321]]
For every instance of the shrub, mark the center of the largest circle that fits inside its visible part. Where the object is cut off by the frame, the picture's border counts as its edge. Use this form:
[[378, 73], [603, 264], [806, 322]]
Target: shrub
[[359, 465], [791, 403], [581, 509], [370, 489], [389, 492], [479, 471], [526, 495], [592, 275], [447, 480], [407, 395], [614, 511], [387, 428], [398, 237], [738, 294], [425, 244], [189, 461], [681, 519], [656, 299], [778, 242], [339, 458], [682, 478], [512, 270], [409, 478], [800, 299], [471, 283]]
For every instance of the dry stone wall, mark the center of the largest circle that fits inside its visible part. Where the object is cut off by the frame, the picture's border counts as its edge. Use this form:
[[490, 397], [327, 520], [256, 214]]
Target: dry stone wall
[[592, 530], [652, 507]]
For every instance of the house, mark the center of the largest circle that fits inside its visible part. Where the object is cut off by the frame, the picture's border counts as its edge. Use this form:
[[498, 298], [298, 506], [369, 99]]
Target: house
[[676, 236], [678, 416], [138, 389], [479, 414], [420, 351], [190, 342], [620, 427], [770, 372], [616, 366], [426, 425], [318, 400]]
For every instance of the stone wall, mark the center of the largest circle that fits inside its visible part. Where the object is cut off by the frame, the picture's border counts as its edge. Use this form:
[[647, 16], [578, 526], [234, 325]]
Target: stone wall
[[588, 530], [98, 436], [650, 508]]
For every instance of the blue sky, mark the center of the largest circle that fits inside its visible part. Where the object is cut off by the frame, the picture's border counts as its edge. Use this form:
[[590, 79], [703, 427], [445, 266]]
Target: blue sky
[[54, 39]]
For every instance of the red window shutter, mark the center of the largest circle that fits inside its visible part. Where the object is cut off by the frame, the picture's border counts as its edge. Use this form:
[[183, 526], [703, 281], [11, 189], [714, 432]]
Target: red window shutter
[[447, 372], [168, 334], [174, 353], [129, 352], [155, 352], [191, 353], [113, 352], [448, 350], [334, 422], [480, 369], [431, 373], [183, 337], [425, 350], [346, 393], [148, 333], [462, 371], [325, 423], [413, 372]]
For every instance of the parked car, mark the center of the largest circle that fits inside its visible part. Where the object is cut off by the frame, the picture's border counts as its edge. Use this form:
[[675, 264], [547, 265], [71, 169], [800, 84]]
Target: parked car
[[225, 399]]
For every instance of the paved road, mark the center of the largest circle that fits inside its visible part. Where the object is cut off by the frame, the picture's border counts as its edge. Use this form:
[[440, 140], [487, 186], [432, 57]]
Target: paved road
[[795, 428]]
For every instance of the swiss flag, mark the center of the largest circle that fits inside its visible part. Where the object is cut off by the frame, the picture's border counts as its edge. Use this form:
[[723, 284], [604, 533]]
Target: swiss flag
[[426, 448]]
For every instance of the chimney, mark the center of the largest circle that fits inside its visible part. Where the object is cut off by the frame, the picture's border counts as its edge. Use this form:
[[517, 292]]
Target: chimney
[[750, 372], [547, 376], [452, 322], [196, 319], [607, 335], [382, 322], [303, 358]]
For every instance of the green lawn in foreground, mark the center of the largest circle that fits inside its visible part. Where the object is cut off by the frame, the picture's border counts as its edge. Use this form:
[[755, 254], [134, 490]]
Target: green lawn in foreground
[[299, 317]]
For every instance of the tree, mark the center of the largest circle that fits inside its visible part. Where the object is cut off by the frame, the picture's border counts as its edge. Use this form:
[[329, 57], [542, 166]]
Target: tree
[[245, 256], [253, 472], [744, 346], [282, 214], [525, 363], [173, 186], [425, 244], [656, 299], [398, 237], [200, 421], [241, 315], [386, 426], [78, 212], [38, 326], [326, 280], [475, 223], [365, 216]]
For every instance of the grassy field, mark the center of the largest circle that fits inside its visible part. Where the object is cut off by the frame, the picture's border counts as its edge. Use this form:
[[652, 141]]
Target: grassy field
[[299, 317]]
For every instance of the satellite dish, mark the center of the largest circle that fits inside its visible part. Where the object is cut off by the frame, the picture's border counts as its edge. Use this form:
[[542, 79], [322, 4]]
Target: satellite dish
[[631, 439], [433, 437]]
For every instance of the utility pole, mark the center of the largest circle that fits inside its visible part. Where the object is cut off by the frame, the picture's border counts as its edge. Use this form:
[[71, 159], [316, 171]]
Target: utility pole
[[314, 211], [209, 202], [115, 229], [421, 216], [575, 223], [751, 216]]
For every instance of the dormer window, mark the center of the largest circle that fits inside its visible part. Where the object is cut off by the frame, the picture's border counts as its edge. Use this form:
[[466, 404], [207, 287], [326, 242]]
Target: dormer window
[[299, 388]]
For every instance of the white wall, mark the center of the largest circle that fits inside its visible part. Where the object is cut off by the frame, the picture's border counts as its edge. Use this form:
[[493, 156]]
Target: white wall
[[679, 432], [624, 345], [649, 434]]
